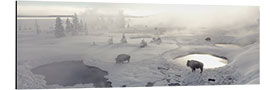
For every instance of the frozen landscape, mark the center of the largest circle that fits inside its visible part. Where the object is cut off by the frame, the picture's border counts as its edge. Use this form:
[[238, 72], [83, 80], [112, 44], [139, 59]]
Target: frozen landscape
[[159, 46]]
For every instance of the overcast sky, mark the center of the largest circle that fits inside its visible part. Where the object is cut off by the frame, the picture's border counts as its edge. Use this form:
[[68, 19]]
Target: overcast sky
[[39, 7], [166, 14]]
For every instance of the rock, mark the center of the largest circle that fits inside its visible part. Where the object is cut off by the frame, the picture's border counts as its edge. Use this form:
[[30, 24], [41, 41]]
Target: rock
[[210, 79], [177, 75], [174, 84], [109, 84], [150, 84], [168, 80], [162, 68]]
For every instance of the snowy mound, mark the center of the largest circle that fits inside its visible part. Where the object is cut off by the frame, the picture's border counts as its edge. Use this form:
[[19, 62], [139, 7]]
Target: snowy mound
[[141, 69], [153, 65]]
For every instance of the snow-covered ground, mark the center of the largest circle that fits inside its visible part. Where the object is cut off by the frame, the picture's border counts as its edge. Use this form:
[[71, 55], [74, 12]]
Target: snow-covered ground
[[154, 64]]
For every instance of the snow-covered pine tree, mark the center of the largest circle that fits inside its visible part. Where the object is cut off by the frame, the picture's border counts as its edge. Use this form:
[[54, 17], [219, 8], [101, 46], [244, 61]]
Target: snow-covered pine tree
[[37, 27], [68, 26], [81, 27], [159, 40], [123, 40], [85, 29], [59, 29], [75, 25], [143, 44], [156, 40], [110, 41]]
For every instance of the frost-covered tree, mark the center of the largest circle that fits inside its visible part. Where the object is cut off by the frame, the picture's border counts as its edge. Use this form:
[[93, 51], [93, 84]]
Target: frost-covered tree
[[156, 40], [85, 29], [143, 44], [110, 41], [81, 26], [68, 26], [123, 40], [59, 29], [76, 25], [37, 27]]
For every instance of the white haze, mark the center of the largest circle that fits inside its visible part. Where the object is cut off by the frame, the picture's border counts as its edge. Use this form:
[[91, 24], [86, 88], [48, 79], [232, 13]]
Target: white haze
[[193, 17], [205, 16], [189, 16], [234, 32]]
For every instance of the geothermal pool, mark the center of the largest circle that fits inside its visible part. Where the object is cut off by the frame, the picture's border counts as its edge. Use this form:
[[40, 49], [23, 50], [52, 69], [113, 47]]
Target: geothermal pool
[[209, 61], [69, 73]]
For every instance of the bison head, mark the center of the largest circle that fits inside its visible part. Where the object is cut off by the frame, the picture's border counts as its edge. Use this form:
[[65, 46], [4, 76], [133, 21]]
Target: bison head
[[188, 63]]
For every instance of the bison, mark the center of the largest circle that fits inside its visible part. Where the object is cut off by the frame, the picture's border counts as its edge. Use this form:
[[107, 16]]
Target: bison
[[208, 39], [122, 57], [194, 65]]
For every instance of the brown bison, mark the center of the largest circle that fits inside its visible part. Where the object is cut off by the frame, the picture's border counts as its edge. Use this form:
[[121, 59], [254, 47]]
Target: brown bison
[[194, 65], [208, 39], [122, 57]]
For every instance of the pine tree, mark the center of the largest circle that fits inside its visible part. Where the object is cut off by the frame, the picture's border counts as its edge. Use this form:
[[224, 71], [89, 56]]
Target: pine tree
[[68, 26], [81, 26], [75, 25], [143, 44], [37, 27], [123, 40], [110, 41], [59, 29], [85, 29]]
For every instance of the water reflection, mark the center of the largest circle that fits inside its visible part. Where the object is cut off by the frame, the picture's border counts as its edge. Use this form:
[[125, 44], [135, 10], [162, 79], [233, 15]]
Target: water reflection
[[209, 61], [69, 73]]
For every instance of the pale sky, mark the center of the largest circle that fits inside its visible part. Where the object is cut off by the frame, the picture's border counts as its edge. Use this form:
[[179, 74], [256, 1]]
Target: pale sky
[[49, 7], [170, 14]]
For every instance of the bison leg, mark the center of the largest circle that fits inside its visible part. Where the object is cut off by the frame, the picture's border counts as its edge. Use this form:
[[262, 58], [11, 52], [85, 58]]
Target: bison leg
[[201, 70], [193, 69]]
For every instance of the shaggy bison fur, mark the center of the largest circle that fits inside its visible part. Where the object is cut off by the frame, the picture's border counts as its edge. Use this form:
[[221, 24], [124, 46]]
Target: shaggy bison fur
[[194, 65], [208, 39], [122, 57]]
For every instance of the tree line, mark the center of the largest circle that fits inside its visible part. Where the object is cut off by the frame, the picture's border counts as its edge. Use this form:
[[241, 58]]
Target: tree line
[[73, 28]]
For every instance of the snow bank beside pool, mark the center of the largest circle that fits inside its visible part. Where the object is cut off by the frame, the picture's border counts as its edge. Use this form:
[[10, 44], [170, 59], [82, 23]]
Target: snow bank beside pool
[[141, 69], [133, 74], [27, 80], [248, 64], [243, 62]]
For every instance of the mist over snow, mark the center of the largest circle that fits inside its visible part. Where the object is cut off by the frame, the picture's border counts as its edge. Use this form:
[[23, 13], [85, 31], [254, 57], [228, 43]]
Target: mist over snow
[[206, 17], [78, 39]]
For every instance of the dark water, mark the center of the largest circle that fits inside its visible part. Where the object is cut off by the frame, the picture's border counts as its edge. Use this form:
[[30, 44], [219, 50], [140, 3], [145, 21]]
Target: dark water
[[69, 73]]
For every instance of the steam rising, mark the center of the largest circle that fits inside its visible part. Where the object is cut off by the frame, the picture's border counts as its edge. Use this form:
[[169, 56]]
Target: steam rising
[[187, 16]]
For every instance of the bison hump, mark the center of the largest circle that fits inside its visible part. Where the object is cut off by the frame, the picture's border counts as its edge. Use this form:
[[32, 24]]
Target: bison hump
[[123, 56]]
